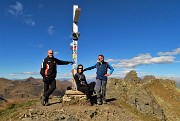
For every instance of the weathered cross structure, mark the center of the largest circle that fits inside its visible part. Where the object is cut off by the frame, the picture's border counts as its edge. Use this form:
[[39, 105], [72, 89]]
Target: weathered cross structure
[[75, 37], [73, 93]]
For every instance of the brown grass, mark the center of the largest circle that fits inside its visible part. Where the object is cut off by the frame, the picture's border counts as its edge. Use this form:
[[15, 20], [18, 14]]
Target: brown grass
[[168, 96]]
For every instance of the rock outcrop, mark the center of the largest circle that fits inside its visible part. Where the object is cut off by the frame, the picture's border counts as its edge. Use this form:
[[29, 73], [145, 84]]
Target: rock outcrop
[[142, 96], [131, 77]]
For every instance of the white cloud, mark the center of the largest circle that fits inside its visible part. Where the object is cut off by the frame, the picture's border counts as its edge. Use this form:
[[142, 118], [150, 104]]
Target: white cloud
[[64, 75], [51, 30], [127, 70], [30, 73], [163, 59], [55, 53], [124, 72], [143, 59], [16, 9], [24, 73], [12, 74], [112, 60], [173, 52], [71, 44], [30, 22], [90, 76]]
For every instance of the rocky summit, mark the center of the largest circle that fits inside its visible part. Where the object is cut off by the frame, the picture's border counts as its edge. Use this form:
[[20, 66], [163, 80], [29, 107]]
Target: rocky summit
[[159, 98], [128, 99]]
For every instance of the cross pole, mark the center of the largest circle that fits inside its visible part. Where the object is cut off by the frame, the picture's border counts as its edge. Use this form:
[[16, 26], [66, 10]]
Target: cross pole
[[75, 36]]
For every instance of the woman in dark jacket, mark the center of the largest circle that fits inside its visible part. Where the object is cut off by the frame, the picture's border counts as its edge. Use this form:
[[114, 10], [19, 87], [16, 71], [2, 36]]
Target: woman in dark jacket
[[82, 84]]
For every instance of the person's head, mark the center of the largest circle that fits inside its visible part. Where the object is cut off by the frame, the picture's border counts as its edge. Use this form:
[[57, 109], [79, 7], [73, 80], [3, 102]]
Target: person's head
[[100, 58], [80, 68], [50, 53]]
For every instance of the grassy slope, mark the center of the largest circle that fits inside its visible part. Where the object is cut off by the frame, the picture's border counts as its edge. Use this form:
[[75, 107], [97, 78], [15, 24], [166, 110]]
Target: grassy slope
[[168, 97], [13, 108]]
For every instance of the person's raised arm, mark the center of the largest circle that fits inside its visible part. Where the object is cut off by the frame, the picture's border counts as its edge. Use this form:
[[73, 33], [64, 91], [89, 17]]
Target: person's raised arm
[[61, 62], [89, 68]]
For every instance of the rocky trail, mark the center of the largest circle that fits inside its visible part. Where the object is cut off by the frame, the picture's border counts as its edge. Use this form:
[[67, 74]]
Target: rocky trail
[[58, 111]]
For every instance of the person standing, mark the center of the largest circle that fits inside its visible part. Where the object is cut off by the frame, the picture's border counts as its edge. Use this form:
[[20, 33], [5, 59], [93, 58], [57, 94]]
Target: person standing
[[101, 78], [48, 72], [82, 84]]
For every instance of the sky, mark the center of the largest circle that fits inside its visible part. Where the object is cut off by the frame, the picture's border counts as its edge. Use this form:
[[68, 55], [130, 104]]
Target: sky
[[141, 35]]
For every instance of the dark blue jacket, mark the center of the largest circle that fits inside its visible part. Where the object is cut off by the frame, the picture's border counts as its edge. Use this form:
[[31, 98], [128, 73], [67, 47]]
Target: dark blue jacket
[[101, 70]]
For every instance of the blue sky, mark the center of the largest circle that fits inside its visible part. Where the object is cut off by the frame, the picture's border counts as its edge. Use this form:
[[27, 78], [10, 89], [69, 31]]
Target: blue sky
[[141, 35]]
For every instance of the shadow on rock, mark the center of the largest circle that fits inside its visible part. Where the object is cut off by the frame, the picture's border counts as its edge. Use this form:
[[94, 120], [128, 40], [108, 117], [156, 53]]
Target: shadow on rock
[[110, 100]]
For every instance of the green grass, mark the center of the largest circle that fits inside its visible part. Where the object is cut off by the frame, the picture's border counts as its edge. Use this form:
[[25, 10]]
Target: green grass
[[11, 111]]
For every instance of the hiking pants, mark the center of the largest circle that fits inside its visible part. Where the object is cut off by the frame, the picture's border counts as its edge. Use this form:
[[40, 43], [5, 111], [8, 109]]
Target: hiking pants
[[101, 89], [91, 87], [49, 87], [85, 90], [88, 89]]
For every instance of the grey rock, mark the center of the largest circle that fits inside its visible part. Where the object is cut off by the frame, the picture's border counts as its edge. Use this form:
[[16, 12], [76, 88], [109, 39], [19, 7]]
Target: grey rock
[[149, 78], [136, 94], [92, 113], [132, 77]]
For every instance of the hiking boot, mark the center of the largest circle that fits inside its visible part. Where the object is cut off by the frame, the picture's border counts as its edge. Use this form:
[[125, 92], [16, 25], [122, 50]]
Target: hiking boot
[[89, 103], [43, 102], [46, 103], [104, 102], [99, 102]]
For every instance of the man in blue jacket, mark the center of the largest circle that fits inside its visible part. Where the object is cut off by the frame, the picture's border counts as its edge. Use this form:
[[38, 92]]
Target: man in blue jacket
[[101, 78]]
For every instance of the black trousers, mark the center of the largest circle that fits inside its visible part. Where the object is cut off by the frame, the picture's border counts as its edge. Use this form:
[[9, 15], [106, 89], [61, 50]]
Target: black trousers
[[49, 87], [87, 89]]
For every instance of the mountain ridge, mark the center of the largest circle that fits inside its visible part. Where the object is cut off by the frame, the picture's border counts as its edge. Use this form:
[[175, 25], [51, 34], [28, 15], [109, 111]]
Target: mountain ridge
[[131, 98]]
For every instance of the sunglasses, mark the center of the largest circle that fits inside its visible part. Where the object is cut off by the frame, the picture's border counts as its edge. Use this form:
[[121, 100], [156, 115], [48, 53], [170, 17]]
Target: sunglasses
[[80, 68], [51, 53]]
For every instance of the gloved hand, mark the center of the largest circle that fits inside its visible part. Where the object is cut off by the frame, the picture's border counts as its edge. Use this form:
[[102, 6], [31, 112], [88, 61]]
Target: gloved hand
[[71, 62]]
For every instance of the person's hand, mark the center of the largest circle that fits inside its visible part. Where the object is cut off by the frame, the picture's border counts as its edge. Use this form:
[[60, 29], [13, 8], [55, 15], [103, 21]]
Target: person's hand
[[107, 75], [72, 71], [71, 62]]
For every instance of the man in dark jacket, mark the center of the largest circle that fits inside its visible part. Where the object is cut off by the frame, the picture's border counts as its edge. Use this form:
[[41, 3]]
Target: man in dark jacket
[[48, 72], [82, 84], [101, 78]]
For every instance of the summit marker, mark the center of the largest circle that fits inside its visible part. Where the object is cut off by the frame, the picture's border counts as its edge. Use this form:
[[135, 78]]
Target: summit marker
[[75, 37]]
